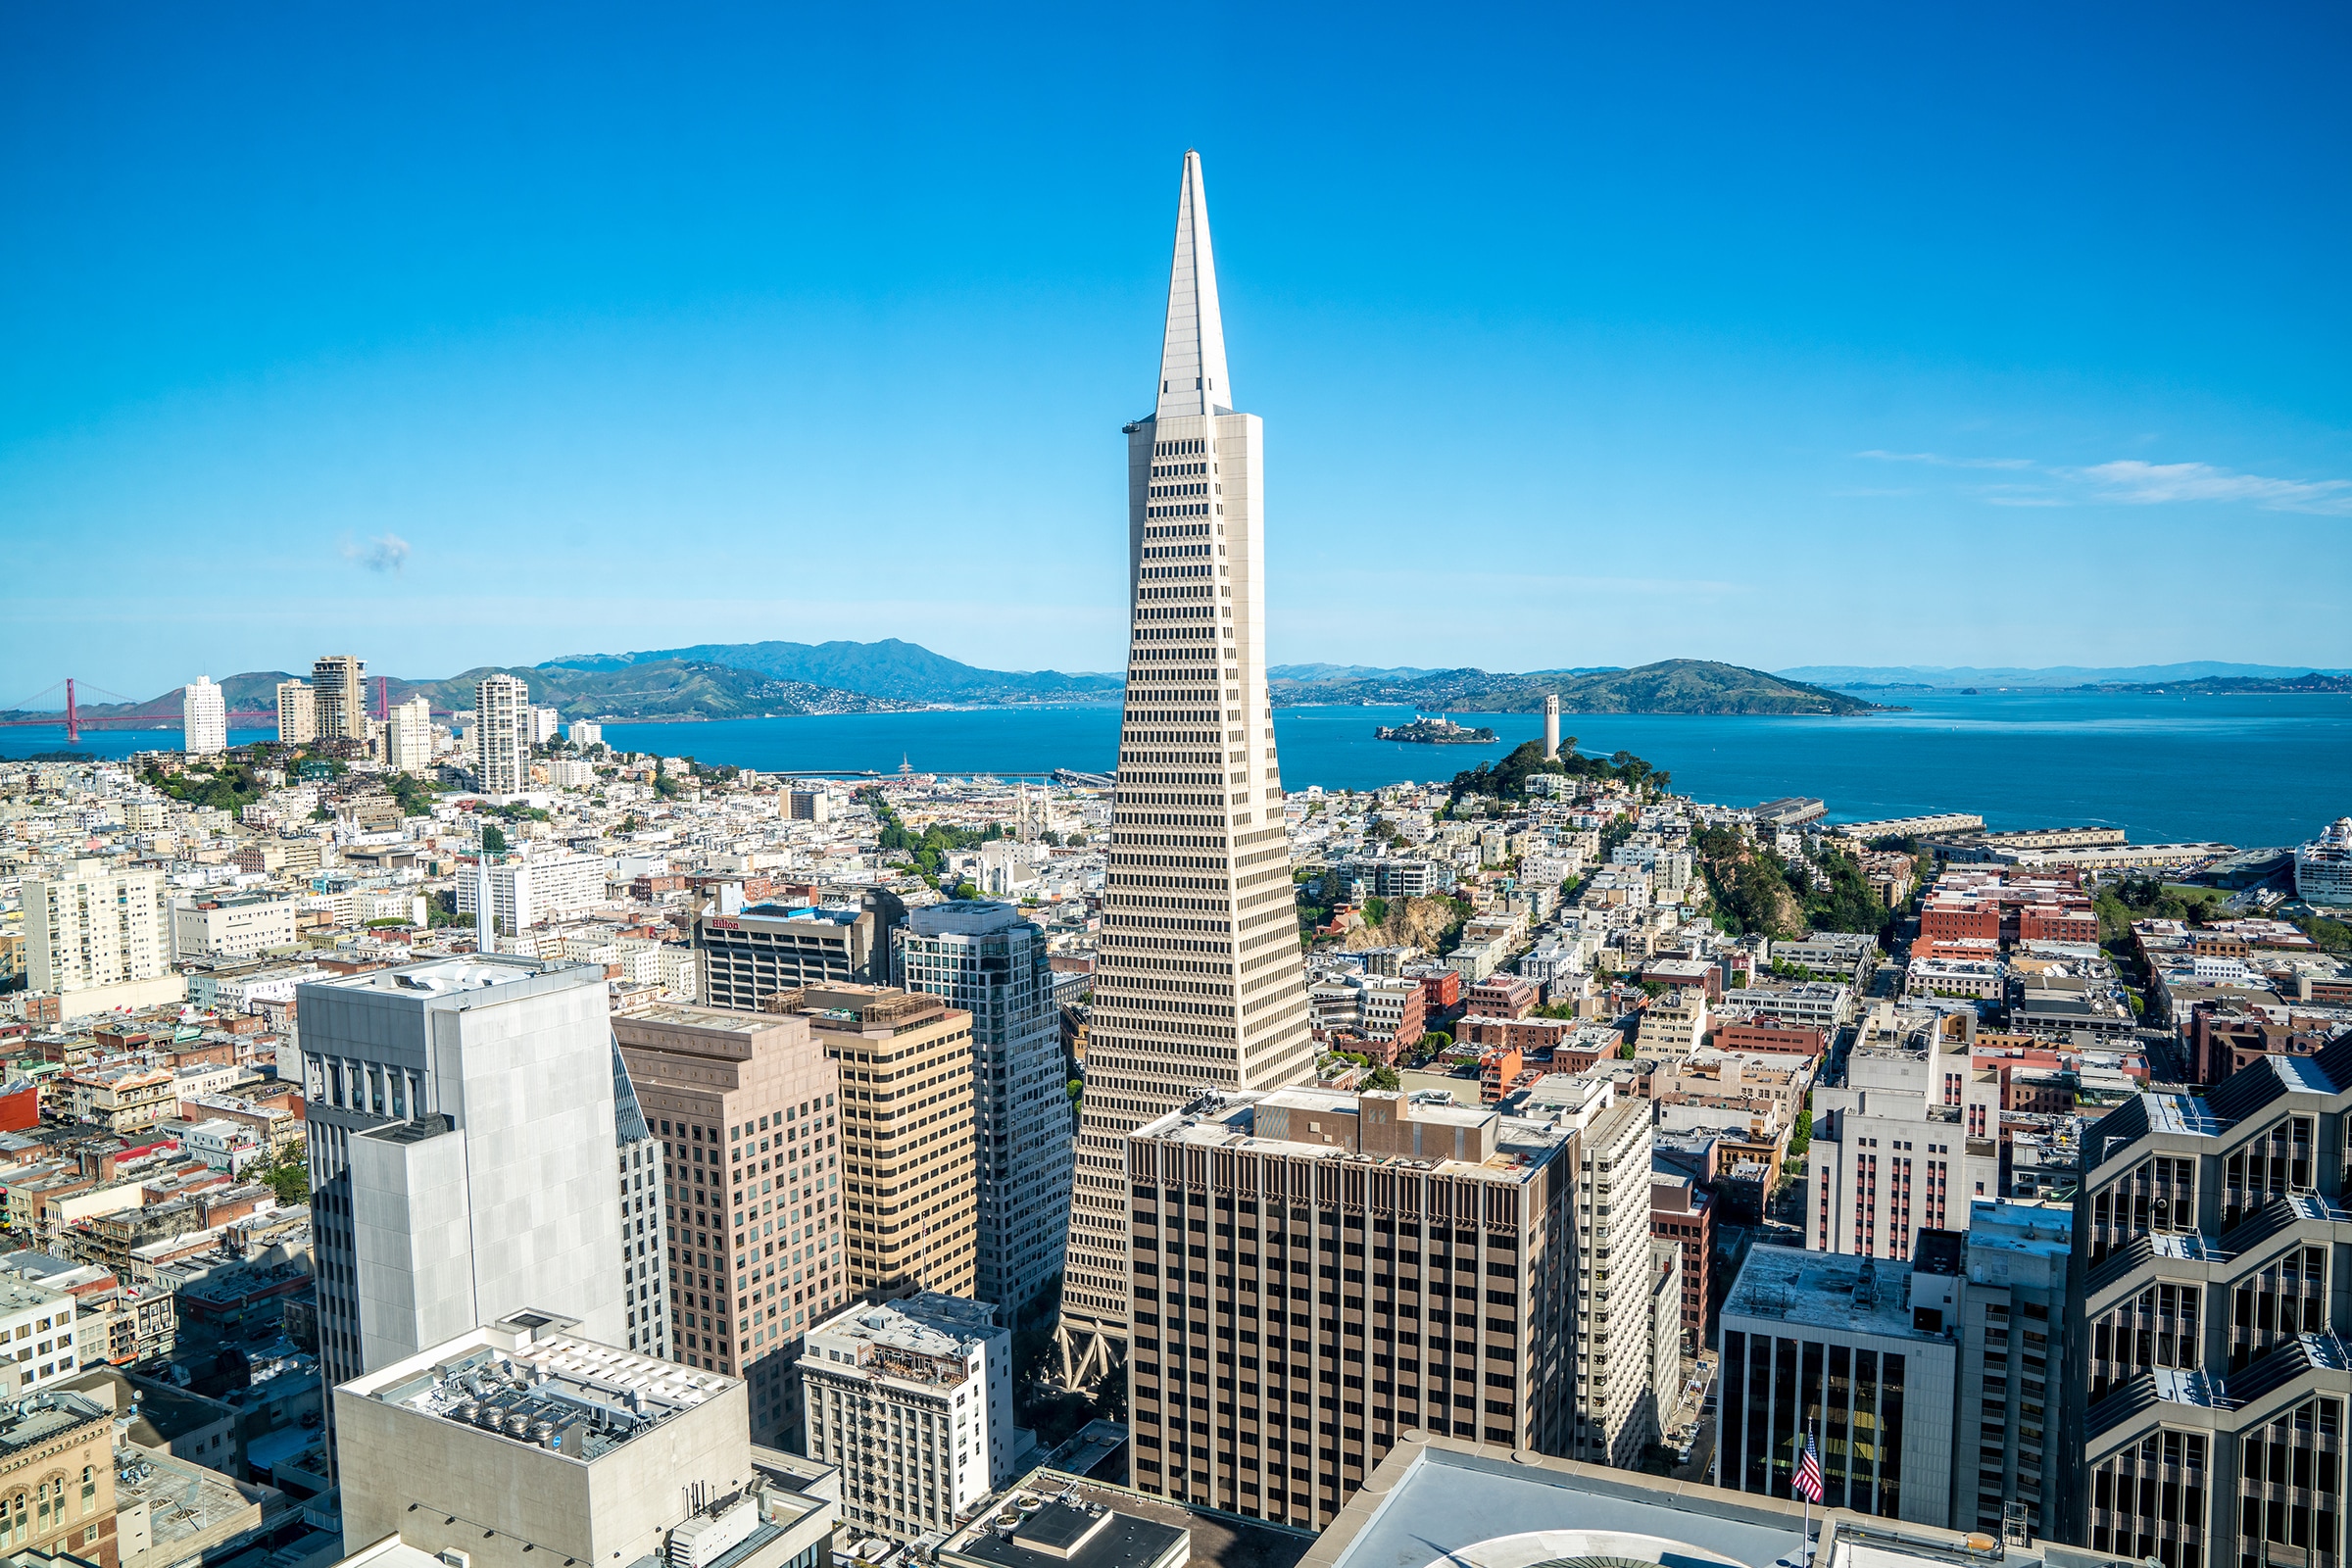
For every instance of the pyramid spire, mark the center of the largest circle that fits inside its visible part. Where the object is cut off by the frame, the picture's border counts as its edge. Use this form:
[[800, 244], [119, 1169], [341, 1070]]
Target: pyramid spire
[[1192, 355]]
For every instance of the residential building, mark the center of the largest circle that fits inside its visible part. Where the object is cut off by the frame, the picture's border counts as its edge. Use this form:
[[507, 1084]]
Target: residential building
[[911, 1402], [409, 737], [523, 1443], [904, 1061], [1815, 1003], [463, 1150], [58, 1487], [532, 890], [1680, 1213], [987, 960], [1828, 1347], [1614, 1399], [584, 733], [1334, 1270], [297, 713], [36, 1333], [2208, 1232], [236, 925], [1673, 1024], [95, 925], [339, 697], [1197, 981], [203, 718], [745, 1109], [747, 957], [545, 725], [502, 716]]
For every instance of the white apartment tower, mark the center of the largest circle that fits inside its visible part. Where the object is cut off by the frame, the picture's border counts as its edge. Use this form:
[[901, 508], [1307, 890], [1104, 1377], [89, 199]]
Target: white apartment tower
[[1614, 1402], [95, 924], [1198, 982], [203, 717], [502, 717], [986, 960], [297, 713], [409, 737]]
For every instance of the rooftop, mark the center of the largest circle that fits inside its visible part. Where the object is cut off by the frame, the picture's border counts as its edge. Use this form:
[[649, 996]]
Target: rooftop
[[464, 974], [46, 1416], [1129, 1524], [1826, 1290]]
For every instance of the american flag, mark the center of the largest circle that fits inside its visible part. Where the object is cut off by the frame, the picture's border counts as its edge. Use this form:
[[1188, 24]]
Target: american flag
[[1808, 1473]]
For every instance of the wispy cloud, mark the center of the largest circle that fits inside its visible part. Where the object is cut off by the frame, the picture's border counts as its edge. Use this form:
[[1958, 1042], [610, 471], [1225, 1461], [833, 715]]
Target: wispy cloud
[[385, 553], [2147, 484], [1937, 459]]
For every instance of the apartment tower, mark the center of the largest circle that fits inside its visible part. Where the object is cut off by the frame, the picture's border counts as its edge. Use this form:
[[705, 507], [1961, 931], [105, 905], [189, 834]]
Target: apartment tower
[[203, 718], [297, 713], [339, 697], [745, 1108], [904, 1061], [502, 728], [987, 960], [1198, 983]]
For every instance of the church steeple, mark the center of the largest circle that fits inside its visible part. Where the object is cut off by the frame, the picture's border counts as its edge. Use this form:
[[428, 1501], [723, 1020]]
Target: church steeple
[[1192, 355]]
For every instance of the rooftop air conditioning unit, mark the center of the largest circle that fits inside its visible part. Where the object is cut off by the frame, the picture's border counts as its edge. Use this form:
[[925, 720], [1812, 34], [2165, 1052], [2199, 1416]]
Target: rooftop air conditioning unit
[[456, 1559]]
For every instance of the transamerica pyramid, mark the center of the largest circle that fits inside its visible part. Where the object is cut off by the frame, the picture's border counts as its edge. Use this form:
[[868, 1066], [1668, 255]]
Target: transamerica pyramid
[[1197, 981]]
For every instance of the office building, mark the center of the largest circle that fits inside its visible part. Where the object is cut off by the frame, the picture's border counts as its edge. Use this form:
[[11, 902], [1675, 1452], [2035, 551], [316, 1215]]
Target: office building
[[904, 1061], [96, 925], [1198, 982], [2017, 1446], [1830, 1346], [1680, 1213], [57, 1492], [502, 717], [2211, 1233], [36, 1334], [297, 713], [911, 1402], [464, 1146], [409, 737], [339, 697], [645, 1212], [1904, 1144], [203, 718], [987, 960], [746, 1109], [230, 925], [526, 1444], [1317, 1273], [747, 957]]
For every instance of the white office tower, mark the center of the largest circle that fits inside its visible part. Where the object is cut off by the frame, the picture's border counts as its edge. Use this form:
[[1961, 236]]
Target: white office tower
[[502, 719], [1198, 982], [204, 718], [464, 1146], [409, 737], [911, 1400], [986, 960]]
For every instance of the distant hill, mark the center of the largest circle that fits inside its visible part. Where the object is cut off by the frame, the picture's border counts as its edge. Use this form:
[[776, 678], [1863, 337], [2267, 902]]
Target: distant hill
[[1672, 686], [668, 689], [2057, 676], [2219, 685], [904, 671]]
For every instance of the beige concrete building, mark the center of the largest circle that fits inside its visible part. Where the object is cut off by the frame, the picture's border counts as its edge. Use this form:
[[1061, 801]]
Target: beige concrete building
[[745, 1108], [519, 1446], [910, 1194], [57, 1479], [97, 924], [297, 712], [339, 697], [232, 925], [1317, 1273]]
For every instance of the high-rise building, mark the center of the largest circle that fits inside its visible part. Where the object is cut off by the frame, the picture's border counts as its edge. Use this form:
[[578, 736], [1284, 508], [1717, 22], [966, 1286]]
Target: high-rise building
[[339, 697], [463, 1144], [409, 737], [1904, 1144], [746, 1109], [763, 949], [546, 723], [96, 923], [1198, 982], [502, 715], [203, 718], [297, 713], [1317, 1273], [526, 1440], [2016, 1453], [2212, 1233], [1615, 1405], [644, 1215], [525, 892], [908, 1177], [584, 733], [911, 1400], [986, 960]]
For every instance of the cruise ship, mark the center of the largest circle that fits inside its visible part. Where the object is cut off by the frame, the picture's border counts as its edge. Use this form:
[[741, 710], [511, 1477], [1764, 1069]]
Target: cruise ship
[[2324, 867]]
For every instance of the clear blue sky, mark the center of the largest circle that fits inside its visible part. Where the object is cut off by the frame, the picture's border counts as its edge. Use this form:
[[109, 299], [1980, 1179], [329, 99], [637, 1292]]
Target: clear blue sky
[[448, 336]]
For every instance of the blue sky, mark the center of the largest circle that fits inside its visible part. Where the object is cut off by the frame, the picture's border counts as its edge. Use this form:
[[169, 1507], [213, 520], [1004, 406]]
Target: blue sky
[[1959, 334]]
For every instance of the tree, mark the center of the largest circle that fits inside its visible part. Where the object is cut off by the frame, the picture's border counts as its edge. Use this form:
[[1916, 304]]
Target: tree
[[1801, 1137], [290, 1179], [492, 841], [1384, 1078]]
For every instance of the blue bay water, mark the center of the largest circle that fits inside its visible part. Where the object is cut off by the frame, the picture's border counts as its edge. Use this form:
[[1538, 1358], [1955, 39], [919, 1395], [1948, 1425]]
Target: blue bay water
[[2243, 770]]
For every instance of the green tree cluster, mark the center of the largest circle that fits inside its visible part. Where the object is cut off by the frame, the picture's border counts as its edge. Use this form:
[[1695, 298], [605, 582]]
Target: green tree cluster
[[930, 849], [2148, 898], [1507, 777], [230, 787]]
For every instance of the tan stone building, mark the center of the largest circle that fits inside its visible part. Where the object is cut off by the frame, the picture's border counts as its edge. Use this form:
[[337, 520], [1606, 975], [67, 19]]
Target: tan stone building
[[911, 1200], [744, 1107], [57, 1480]]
